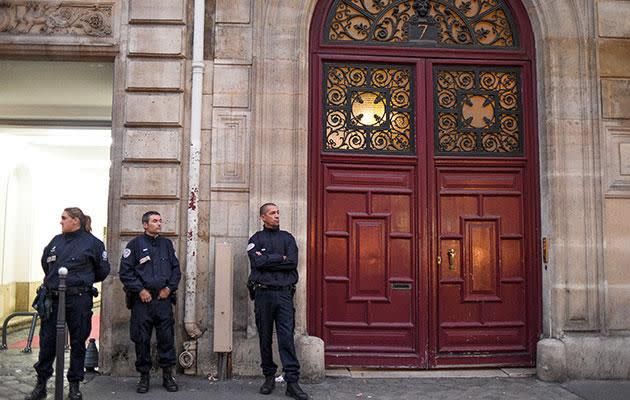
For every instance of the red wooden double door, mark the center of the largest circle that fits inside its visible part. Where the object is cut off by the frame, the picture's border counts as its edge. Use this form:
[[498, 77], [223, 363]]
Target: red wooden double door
[[424, 258]]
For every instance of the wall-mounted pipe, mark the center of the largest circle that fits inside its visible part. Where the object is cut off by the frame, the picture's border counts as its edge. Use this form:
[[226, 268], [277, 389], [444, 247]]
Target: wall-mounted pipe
[[190, 314]]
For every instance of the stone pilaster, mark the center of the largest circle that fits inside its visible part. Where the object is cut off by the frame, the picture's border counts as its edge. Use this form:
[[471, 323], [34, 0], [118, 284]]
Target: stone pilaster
[[576, 297], [228, 102], [280, 140], [149, 171]]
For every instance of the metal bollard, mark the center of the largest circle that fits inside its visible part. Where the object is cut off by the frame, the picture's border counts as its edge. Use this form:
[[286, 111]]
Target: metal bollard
[[61, 333]]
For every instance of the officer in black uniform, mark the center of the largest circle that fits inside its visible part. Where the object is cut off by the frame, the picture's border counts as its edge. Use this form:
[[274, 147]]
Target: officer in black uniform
[[86, 260], [273, 256], [150, 272]]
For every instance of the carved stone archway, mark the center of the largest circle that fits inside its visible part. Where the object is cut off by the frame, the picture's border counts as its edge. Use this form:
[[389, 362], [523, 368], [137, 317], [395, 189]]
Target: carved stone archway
[[569, 152]]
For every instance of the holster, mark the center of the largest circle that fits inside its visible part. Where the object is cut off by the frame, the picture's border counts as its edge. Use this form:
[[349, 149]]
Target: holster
[[43, 303], [251, 288], [130, 297]]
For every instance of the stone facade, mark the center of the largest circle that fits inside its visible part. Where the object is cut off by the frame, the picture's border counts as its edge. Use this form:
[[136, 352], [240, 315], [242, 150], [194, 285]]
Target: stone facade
[[585, 312], [254, 148]]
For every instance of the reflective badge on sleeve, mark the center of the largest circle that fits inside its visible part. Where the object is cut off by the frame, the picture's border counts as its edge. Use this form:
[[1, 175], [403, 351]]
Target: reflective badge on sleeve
[[126, 253], [104, 255], [250, 246]]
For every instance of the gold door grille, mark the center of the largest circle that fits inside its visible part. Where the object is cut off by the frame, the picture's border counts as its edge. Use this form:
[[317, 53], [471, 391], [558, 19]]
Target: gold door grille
[[477, 111], [368, 108]]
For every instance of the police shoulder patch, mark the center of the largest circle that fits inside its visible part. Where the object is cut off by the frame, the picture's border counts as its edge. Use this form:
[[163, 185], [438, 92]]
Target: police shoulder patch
[[250, 246], [104, 255], [126, 253]]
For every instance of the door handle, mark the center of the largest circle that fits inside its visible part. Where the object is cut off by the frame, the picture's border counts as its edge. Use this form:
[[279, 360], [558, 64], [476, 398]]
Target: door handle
[[451, 258]]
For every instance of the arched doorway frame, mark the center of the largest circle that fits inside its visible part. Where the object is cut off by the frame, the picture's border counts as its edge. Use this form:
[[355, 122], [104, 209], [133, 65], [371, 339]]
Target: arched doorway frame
[[568, 147], [524, 57]]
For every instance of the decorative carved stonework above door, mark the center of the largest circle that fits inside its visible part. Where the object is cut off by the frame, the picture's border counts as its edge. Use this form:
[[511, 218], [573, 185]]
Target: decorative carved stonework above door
[[55, 18]]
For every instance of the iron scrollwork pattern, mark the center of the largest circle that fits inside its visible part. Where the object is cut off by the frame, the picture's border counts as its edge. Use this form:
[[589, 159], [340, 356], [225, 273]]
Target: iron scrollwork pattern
[[387, 91], [477, 111], [459, 23]]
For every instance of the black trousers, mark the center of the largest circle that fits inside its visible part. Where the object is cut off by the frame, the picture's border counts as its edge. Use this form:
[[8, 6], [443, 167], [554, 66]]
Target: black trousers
[[156, 314], [277, 306], [79, 322]]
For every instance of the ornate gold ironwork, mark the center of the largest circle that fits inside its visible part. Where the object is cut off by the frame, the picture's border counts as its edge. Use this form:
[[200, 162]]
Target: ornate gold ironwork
[[368, 108], [475, 23], [477, 111]]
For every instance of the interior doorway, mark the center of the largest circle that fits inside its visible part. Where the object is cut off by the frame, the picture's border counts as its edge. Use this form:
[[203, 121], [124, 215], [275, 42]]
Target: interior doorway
[[55, 139]]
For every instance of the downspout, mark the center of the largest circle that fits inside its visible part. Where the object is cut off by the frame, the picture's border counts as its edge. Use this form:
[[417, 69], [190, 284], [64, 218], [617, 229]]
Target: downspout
[[190, 314]]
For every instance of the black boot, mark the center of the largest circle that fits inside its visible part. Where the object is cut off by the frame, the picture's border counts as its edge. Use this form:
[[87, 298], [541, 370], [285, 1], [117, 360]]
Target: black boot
[[39, 392], [75, 393], [269, 385], [168, 381], [294, 390], [143, 383]]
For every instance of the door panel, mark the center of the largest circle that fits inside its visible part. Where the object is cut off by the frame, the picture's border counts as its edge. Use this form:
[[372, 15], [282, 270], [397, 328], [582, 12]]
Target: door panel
[[481, 287], [461, 192], [369, 283]]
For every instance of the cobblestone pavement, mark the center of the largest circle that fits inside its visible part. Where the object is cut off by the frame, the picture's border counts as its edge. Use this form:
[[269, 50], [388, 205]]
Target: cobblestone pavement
[[16, 374]]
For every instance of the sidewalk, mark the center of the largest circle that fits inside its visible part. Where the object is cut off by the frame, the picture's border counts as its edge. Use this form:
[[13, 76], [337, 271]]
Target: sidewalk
[[17, 377], [333, 388]]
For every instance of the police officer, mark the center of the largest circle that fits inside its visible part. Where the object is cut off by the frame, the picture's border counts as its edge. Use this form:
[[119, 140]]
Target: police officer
[[273, 256], [150, 272], [86, 260]]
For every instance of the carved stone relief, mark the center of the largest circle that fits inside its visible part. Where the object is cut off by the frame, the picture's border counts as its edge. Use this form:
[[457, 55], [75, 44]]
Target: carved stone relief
[[617, 158], [230, 151], [55, 18]]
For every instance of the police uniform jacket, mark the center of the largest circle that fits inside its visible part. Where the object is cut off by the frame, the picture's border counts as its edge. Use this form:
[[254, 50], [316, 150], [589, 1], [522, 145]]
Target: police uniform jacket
[[149, 263], [270, 268], [81, 253]]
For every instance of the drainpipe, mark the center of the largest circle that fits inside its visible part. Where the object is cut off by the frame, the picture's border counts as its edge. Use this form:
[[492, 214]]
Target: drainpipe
[[190, 315]]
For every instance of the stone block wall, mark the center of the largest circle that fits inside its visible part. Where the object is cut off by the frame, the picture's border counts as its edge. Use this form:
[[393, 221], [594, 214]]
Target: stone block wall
[[149, 150], [588, 298], [614, 77], [255, 149], [228, 127]]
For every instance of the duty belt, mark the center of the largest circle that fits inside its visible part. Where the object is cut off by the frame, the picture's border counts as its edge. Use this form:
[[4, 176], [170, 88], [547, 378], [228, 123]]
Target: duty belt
[[273, 287], [73, 291]]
